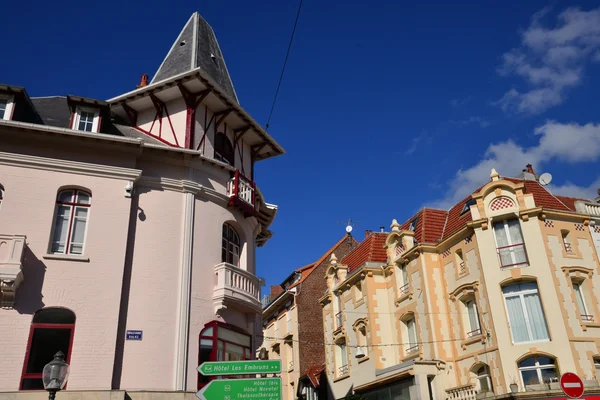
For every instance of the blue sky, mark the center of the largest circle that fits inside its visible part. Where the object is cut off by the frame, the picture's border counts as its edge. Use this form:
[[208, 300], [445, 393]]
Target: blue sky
[[382, 109]]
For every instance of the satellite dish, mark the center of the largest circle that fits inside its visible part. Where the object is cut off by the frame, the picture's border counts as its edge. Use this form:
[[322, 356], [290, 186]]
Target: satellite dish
[[349, 229], [545, 179]]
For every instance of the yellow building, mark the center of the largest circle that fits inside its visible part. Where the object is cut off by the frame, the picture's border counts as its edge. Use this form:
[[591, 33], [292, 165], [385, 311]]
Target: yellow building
[[498, 295]]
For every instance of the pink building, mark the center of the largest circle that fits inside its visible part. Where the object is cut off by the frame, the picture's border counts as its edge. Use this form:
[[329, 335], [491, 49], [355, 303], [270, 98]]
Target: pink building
[[128, 228]]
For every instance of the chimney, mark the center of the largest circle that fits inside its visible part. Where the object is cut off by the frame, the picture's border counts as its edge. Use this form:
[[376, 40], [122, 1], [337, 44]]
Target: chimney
[[530, 169], [382, 229], [368, 232], [276, 290], [143, 82]]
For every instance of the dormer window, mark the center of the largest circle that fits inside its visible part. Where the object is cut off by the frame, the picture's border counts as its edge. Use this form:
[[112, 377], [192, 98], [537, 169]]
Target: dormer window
[[468, 204], [86, 119], [413, 224], [6, 107]]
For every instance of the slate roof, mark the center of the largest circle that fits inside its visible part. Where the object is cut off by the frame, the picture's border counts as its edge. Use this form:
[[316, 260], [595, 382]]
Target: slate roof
[[196, 47], [371, 249]]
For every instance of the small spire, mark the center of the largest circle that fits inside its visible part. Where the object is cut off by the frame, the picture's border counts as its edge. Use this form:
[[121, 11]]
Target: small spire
[[333, 259], [395, 225], [494, 175]]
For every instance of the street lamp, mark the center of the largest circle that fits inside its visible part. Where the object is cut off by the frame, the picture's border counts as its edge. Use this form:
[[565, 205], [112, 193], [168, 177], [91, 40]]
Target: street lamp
[[55, 374]]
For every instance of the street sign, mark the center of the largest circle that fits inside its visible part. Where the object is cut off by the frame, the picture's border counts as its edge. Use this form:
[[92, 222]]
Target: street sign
[[572, 385], [213, 368], [133, 335], [239, 389]]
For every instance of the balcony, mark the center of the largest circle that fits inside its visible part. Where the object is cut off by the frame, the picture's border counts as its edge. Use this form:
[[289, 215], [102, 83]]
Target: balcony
[[568, 248], [587, 318], [242, 194], [11, 268], [474, 333], [236, 288], [404, 289], [513, 255], [412, 349], [592, 209], [462, 267]]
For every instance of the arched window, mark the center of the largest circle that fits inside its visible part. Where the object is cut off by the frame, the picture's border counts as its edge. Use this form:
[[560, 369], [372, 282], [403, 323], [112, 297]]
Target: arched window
[[222, 342], [525, 313], [70, 221], [484, 379], [230, 246], [223, 149], [535, 370], [51, 331]]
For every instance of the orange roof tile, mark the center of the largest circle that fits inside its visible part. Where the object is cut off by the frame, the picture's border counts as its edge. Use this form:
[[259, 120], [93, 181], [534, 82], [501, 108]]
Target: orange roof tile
[[570, 201], [370, 249], [314, 373]]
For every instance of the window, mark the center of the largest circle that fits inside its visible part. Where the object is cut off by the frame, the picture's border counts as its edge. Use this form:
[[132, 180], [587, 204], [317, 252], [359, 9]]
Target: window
[[580, 297], [597, 366], [86, 119], [413, 224], [474, 328], [468, 204], [223, 149], [460, 262], [230, 248], [342, 358], [511, 248], [484, 380], [538, 369], [51, 331], [70, 221], [338, 316], [566, 241], [6, 107], [404, 286], [411, 330], [1, 195], [222, 342], [525, 313]]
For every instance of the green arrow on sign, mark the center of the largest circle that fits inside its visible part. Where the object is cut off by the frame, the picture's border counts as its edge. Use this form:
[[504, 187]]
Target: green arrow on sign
[[239, 389], [213, 368]]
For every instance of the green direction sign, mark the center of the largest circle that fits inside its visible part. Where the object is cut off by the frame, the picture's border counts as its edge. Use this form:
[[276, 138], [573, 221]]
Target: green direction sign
[[240, 389], [213, 368]]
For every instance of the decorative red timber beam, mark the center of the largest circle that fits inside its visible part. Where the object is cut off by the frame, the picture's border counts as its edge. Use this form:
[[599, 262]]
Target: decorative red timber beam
[[222, 115], [238, 133], [192, 101], [131, 114], [161, 108], [256, 149]]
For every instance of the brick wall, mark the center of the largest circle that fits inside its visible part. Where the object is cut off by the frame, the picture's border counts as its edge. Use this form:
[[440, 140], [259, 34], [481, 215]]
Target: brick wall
[[310, 314]]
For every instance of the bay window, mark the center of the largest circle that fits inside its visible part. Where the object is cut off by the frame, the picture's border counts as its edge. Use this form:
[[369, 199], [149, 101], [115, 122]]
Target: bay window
[[222, 342], [70, 221], [510, 243], [525, 313]]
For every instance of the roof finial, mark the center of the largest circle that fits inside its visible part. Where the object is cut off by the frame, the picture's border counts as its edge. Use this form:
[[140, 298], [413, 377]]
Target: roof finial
[[395, 226], [333, 259], [494, 175]]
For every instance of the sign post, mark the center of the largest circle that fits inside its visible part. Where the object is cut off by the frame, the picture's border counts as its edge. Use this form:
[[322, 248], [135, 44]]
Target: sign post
[[214, 368], [571, 385], [238, 389]]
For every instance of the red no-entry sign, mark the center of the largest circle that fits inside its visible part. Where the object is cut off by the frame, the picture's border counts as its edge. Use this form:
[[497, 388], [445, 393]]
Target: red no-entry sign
[[572, 385]]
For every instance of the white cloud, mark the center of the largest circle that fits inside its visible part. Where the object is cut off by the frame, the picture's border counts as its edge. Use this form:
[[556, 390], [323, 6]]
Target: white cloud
[[550, 60], [569, 143], [571, 190]]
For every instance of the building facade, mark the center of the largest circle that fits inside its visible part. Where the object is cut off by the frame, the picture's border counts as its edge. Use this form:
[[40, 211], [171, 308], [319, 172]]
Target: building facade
[[496, 297], [293, 328], [128, 228]]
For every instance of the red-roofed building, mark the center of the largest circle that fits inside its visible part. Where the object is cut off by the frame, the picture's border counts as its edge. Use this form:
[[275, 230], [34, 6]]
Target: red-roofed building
[[502, 288], [292, 316]]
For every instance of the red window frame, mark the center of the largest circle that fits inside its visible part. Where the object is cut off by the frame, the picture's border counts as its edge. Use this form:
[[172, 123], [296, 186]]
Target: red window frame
[[34, 326], [73, 204], [248, 353]]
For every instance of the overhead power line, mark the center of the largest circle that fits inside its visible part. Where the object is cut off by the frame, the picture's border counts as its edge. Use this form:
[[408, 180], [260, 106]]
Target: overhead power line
[[287, 54]]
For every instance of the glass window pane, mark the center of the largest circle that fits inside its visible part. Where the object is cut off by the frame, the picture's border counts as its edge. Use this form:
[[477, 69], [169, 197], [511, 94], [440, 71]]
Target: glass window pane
[[46, 342], [236, 337], [514, 230], [79, 225], [234, 352], [484, 384], [545, 361], [579, 297], [207, 332], [549, 375], [83, 198], [528, 362], [61, 228], [537, 320], [473, 318], [500, 232], [530, 377], [65, 197], [343, 354], [516, 318]]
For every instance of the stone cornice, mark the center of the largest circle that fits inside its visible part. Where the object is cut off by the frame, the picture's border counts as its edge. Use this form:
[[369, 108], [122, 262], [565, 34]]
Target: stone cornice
[[76, 167]]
